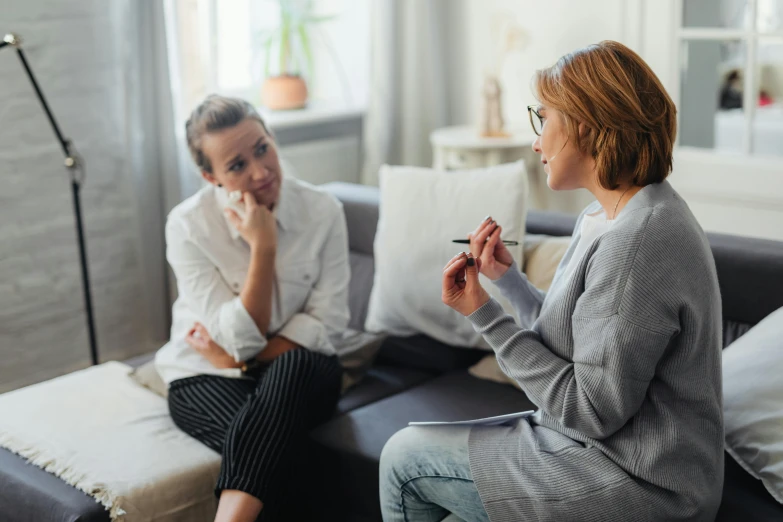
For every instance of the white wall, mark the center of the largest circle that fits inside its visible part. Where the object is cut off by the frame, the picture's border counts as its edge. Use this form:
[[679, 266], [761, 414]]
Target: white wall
[[727, 192], [739, 196], [76, 51], [553, 29], [341, 52]]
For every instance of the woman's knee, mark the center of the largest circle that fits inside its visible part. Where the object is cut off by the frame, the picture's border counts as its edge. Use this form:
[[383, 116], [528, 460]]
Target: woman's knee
[[414, 451], [398, 455], [302, 368], [300, 361], [300, 376]]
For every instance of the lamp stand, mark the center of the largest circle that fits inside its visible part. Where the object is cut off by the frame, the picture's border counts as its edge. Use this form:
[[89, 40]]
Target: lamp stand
[[75, 165]]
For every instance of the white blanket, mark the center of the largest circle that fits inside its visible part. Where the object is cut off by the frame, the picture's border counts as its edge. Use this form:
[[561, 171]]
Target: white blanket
[[101, 432]]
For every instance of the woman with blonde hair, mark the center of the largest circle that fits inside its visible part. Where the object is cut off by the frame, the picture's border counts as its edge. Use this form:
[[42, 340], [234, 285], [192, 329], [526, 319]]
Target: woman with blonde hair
[[622, 355], [261, 262]]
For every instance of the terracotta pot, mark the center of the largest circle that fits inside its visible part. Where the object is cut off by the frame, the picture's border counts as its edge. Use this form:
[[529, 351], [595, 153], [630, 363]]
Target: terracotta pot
[[281, 93]]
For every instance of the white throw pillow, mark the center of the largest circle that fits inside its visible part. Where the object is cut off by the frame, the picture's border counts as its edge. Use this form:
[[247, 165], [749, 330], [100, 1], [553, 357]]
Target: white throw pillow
[[147, 375], [421, 211], [753, 402]]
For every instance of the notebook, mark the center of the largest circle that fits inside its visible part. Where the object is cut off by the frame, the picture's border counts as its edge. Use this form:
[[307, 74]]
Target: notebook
[[498, 420]]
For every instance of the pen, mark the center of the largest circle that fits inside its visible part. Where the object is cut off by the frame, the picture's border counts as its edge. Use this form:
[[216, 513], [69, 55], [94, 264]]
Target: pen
[[467, 242]]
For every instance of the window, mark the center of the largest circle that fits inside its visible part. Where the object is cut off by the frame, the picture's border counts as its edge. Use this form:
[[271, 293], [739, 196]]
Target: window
[[731, 75], [222, 49]]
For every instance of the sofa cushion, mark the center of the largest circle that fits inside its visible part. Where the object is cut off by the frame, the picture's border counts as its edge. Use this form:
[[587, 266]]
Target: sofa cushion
[[542, 257], [744, 497], [423, 353], [550, 223], [350, 445], [380, 382], [750, 274], [421, 211], [360, 204], [489, 369], [733, 330], [752, 406], [123, 448], [362, 273], [147, 376]]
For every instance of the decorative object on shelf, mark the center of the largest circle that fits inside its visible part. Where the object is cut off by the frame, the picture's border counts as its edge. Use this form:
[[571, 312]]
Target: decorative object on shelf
[[513, 38], [288, 89], [74, 163], [460, 147], [492, 125]]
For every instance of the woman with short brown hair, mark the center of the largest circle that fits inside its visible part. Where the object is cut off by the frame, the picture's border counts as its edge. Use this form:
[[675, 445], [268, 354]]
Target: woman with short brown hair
[[622, 355]]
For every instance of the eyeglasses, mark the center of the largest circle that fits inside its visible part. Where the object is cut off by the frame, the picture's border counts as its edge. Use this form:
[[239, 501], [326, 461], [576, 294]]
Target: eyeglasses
[[536, 122]]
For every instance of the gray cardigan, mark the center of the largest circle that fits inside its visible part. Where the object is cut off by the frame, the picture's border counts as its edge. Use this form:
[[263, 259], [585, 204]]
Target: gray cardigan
[[624, 361]]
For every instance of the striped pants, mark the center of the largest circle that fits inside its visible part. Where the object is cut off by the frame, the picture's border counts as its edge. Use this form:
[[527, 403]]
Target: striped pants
[[258, 425]]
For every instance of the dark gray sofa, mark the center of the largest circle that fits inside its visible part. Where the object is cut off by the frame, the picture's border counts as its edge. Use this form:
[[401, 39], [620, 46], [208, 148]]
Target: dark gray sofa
[[419, 378]]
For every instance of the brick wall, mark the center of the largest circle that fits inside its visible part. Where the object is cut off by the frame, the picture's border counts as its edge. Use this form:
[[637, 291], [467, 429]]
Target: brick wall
[[78, 52]]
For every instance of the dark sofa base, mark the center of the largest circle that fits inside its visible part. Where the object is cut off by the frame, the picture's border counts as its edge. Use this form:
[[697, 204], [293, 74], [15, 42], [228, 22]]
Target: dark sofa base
[[346, 450], [28, 493], [407, 383], [351, 444]]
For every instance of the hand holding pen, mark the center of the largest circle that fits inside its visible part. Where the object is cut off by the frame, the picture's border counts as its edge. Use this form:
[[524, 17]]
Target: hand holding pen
[[467, 242], [486, 245]]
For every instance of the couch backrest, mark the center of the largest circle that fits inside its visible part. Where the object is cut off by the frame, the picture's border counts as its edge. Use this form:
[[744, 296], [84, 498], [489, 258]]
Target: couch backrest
[[750, 271], [360, 203]]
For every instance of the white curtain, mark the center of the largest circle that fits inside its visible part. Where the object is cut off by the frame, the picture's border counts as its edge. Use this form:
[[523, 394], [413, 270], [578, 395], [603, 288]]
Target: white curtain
[[162, 173], [182, 179], [408, 87]]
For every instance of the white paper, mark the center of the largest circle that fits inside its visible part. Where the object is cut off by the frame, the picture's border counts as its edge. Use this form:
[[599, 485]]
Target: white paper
[[487, 421]]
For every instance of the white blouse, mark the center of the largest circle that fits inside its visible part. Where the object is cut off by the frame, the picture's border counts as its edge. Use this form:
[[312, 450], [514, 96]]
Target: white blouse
[[593, 226], [210, 262]]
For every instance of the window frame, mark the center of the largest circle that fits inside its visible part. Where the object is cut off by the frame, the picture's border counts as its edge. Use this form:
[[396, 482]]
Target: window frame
[[749, 35]]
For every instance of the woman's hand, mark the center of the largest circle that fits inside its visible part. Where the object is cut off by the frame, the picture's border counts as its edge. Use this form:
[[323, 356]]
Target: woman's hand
[[199, 339], [258, 226], [462, 290], [485, 244]]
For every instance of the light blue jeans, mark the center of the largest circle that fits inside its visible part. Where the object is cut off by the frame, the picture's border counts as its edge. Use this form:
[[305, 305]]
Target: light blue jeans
[[425, 476]]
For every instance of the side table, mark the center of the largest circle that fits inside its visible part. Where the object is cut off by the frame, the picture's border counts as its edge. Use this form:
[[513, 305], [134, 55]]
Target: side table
[[461, 147]]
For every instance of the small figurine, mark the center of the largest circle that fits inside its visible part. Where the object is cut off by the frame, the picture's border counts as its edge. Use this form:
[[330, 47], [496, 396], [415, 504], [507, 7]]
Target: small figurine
[[513, 39], [492, 109]]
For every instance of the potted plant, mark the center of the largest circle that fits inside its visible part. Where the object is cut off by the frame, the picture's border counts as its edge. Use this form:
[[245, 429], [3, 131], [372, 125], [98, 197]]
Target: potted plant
[[288, 89]]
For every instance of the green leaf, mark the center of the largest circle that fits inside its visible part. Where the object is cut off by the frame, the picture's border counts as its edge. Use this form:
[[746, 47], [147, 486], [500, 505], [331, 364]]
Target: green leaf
[[285, 5], [294, 23], [304, 37], [319, 19], [268, 38], [285, 45], [267, 53]]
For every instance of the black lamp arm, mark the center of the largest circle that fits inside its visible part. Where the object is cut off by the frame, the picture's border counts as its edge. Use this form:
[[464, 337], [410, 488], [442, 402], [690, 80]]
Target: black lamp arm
[[76, 169], [65, 144]]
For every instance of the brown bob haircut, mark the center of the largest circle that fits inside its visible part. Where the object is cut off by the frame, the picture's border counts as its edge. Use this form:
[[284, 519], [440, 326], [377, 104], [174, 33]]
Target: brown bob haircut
[[630, 121]]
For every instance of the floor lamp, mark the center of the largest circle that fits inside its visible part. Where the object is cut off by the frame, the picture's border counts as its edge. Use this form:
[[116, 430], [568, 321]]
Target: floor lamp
[[75, 165]]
